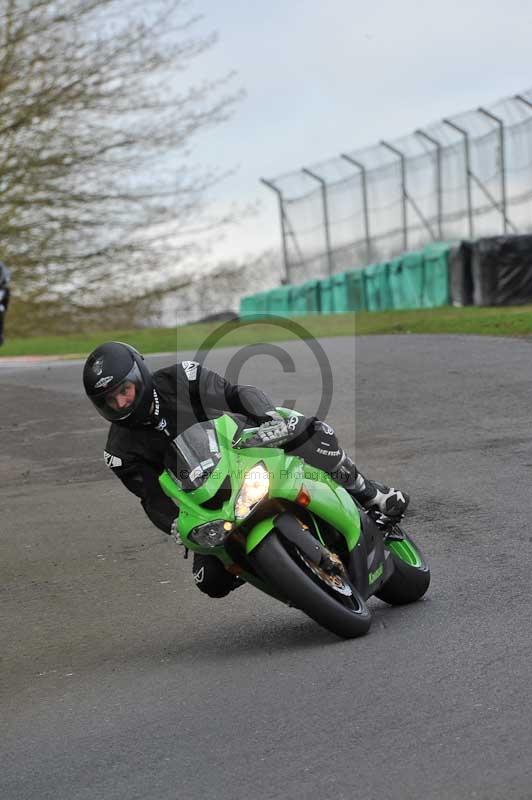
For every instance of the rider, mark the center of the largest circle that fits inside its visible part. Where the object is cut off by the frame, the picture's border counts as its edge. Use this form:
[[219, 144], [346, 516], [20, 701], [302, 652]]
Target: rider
[[5, 276], [148, 410]]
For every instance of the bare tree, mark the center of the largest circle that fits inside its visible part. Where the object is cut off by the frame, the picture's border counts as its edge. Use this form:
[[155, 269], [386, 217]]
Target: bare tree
[[97, 191]]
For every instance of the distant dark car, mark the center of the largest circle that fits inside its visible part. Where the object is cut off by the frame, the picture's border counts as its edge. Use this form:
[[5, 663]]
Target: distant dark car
[[5, 277]]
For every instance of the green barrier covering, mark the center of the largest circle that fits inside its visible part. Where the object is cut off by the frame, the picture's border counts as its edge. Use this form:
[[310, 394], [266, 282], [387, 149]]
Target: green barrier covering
[[340, 294], [254, 305], [279, 301], [326, 296], [312, 289], [305, 298], [356, 289], [413, 280], [348, 292], [261, 303], [298, 305], [436, 290], [377, 287], [407, 280], [247, 306]]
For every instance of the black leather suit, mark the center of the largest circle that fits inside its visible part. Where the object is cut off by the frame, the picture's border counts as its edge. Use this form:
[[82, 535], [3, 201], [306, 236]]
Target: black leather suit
[[184, 394]]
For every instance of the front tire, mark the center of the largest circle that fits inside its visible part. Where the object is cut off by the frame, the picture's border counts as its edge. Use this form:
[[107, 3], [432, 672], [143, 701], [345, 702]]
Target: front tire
[[411, 576], [346, 617]]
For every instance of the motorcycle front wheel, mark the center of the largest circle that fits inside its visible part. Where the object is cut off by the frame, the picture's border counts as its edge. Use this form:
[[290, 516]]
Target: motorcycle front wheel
[[411, 575], [329, 601]]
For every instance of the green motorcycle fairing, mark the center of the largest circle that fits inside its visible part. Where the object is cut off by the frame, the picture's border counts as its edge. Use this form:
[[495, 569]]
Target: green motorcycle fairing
[[288, 476]]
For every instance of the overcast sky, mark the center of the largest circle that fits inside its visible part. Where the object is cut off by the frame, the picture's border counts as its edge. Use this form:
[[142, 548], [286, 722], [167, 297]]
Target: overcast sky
[[329, 76]]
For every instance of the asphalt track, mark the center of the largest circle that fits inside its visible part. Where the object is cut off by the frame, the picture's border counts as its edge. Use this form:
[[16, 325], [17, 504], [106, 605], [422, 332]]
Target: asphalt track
[[120, 680]]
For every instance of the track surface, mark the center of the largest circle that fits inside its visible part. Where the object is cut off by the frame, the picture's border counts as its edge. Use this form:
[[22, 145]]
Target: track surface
[[120, 680]]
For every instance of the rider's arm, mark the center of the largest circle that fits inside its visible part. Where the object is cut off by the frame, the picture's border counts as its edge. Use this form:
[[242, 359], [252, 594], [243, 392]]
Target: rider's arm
[[214, 391], [142, 480]]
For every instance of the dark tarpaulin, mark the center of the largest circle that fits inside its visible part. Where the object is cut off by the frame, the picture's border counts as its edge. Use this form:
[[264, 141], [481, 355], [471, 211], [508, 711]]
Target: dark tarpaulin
[[460, 277], [502, 270]]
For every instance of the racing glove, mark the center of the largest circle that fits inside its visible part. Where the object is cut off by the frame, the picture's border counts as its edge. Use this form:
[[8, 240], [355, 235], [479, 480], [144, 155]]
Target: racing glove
[[273, 433]]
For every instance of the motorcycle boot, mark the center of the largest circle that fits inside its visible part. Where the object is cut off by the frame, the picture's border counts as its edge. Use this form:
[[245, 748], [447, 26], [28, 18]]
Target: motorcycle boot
[[370, 494], [211, 577]]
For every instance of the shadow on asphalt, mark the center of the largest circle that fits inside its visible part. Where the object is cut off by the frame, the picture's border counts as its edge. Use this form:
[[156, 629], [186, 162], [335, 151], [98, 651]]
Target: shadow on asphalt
[[231, 640]]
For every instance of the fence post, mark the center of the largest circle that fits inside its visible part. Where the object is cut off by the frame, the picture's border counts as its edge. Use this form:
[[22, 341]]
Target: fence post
[[467, 158], [323, 184], [279, 194], [439, 194], [403, 190], [500, 123], [364, 184]]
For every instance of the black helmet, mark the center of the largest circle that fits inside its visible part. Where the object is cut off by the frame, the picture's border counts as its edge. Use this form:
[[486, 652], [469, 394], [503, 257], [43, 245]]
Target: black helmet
[[119, 383]]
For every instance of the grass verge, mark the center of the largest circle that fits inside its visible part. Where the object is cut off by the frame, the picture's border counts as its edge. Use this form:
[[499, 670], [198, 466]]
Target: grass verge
[[503, 321]]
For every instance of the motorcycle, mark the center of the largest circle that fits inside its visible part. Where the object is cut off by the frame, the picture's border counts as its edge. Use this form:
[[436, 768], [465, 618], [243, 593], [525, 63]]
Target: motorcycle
[[286, 527]]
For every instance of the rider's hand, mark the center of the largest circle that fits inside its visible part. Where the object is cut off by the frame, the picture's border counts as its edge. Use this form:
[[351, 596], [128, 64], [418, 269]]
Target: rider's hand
[[274, 432]]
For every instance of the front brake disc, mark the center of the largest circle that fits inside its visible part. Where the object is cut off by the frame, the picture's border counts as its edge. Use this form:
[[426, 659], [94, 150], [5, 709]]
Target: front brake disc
[[333, 580]]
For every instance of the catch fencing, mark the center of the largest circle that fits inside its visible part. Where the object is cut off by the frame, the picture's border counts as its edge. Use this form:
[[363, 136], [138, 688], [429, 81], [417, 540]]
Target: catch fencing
[[463, 178]]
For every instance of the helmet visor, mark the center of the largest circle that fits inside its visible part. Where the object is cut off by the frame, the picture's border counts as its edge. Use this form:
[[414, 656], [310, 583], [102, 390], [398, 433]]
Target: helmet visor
[[122, 399]]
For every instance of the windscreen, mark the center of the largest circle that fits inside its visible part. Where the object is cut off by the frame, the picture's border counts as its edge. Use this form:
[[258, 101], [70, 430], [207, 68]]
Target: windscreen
[[194, 455]]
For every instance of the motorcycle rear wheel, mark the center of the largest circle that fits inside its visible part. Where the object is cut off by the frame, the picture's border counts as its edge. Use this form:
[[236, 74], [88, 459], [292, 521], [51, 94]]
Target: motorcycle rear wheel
[[347, 617]]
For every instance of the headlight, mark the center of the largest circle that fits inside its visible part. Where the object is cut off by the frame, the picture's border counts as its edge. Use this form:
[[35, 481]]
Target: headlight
[[255, 487], [212, 534]]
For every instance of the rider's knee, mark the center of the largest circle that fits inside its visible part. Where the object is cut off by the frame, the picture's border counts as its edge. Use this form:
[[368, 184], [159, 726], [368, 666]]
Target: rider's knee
[[316, 442]]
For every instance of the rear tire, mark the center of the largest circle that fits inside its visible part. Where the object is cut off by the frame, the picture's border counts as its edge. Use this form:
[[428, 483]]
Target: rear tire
[[408, 582], [346, 617]]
